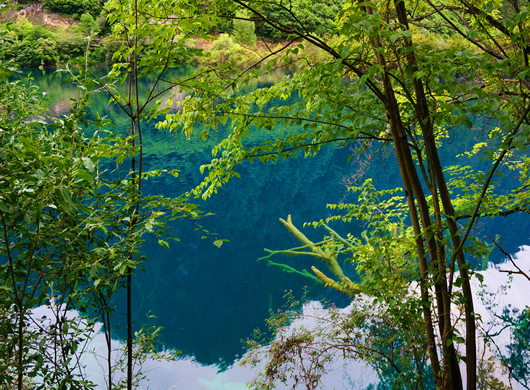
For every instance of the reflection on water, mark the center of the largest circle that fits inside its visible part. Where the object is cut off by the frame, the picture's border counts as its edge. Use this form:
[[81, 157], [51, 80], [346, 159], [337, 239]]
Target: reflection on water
[[188, 374], [208, 298]]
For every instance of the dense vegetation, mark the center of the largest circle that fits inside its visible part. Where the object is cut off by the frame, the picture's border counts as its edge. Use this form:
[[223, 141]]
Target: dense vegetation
[[315, 17], [31, 44], [74, 7], [31, 41], [398, 74]]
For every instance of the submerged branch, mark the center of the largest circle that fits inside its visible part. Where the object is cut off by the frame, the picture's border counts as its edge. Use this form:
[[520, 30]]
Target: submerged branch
[[347, 287], [328, 256], [291, 270]]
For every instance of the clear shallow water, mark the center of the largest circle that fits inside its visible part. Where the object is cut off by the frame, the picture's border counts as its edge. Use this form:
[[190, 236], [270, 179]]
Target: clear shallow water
[[209, 298]]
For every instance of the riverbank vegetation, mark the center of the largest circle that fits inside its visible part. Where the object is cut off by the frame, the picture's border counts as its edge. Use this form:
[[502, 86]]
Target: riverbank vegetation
[[72, 223], [59, 32]]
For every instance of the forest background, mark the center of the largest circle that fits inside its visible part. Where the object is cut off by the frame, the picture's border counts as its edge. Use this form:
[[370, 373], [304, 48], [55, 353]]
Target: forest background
[[410, 86], [53, 33]]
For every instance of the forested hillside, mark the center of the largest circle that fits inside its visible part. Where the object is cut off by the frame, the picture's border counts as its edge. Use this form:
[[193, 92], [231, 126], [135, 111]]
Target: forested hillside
[[57, 32]]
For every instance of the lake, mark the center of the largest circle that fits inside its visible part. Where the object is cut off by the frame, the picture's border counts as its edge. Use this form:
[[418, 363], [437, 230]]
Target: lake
[[208, 299]]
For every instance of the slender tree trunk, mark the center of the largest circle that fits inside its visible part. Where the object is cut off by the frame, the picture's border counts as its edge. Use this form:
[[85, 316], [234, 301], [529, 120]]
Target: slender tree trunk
[[407, 176], [129, 331], [20, 357], [134, 110], [437, 177], [105, 317], [132, 226], [411, 184], [20, 308]]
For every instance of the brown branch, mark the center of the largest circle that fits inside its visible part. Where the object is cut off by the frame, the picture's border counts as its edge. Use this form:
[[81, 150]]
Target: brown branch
[[519, 270]]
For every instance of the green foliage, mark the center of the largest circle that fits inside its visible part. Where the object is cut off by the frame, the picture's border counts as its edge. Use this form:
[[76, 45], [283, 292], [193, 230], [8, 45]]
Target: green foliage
[[88, 25], [312, 16], [244, 30], [28, 31], [376, 84], [29, 45], [70, 46], [33, 54], [516, 357], [70, 235], [144, 348], [102, 24], [381, 86], [32, 45], [125, 214], [382, 254], [487, 375], [299, 347], [71, 7], [45, 179], [224, 50]]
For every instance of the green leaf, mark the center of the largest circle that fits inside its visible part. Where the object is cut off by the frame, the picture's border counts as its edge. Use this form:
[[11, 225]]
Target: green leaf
[[163, 243], [66, 195], [88, 163]]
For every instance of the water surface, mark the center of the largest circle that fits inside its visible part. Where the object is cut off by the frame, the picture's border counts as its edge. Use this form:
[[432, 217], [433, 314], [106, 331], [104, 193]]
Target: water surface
[[208, 298]]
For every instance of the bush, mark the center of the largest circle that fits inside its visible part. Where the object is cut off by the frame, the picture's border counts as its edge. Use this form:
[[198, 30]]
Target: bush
[[46, 51], [24, 29], [30, 54], [71, 47], [29, 45], [103, 25], [223, 48], [10, 40]]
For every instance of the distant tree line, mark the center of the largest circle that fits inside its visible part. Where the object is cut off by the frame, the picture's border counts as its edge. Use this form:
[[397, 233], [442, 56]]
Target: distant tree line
[[30, 44]]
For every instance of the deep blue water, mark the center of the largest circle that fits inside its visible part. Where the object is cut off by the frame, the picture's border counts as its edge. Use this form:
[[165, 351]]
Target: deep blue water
[[208, 298]]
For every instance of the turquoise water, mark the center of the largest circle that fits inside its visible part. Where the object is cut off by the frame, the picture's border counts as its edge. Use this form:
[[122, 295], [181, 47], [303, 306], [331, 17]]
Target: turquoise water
[[208, 298]]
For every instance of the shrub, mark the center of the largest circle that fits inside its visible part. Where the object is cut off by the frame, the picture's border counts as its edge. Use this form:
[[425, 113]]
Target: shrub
[[71, 46], [110, 46], [46, 51], [29, 45], [223, 49], [10, 40], [103, 25], [22, 27], [26, 30], [29, 54]]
